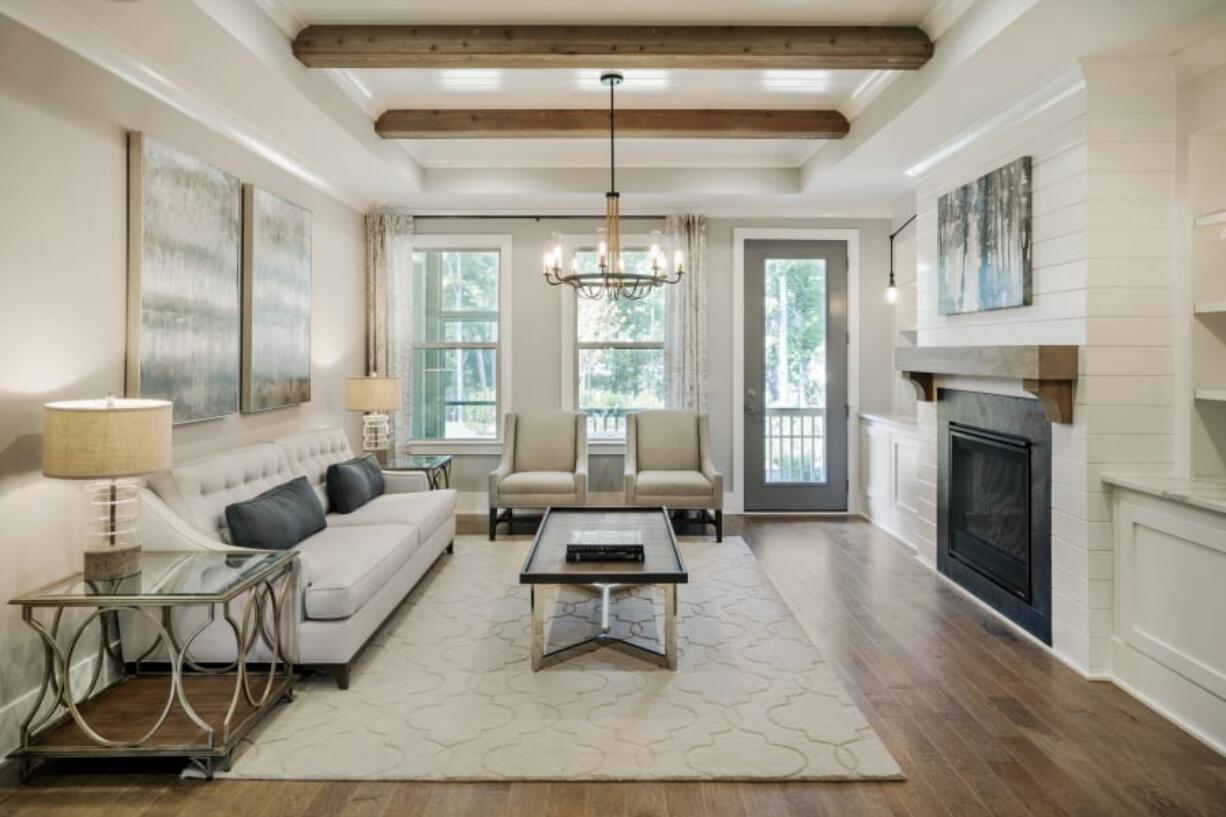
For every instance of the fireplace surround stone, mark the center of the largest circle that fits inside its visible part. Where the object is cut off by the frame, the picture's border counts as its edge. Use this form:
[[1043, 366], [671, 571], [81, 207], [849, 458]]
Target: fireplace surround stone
[[994, 459]]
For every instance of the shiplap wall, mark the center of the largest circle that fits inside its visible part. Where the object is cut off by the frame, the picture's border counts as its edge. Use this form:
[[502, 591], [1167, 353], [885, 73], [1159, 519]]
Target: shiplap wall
[[1103, 265]]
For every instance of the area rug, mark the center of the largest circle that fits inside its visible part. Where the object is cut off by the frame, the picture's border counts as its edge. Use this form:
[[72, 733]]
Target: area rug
[[446, 691]]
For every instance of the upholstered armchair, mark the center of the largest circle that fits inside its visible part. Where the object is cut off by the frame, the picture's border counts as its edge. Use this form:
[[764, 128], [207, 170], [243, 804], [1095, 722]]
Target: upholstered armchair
[[544, 464], [668, 464]]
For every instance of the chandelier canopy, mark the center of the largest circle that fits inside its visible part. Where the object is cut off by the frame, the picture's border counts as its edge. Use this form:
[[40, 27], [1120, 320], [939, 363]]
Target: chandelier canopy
[[610, 278]]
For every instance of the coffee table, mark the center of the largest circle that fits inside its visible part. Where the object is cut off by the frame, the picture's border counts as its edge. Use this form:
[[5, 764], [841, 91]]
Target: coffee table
[[662, 564]]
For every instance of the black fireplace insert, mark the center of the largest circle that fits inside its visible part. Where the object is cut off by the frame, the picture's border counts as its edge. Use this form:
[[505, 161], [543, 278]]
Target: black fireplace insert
[[994, 503]]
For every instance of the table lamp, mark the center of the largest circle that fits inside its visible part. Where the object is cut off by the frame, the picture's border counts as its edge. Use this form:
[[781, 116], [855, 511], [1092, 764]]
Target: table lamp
[[109, 441], [376, 396]]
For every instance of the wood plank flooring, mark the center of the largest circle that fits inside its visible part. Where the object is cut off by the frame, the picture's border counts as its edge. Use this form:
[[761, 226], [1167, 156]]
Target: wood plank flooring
[[982, 720]]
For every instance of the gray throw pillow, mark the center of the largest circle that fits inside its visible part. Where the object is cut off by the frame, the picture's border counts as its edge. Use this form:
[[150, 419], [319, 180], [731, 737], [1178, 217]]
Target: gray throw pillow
[[277, 519], [353, 483]]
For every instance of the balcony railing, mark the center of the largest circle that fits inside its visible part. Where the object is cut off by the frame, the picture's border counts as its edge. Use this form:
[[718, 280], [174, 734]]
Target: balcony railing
[[607, 423], [794, 445]]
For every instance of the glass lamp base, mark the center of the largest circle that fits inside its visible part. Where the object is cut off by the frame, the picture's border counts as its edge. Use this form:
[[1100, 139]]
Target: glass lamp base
[[112, 563]]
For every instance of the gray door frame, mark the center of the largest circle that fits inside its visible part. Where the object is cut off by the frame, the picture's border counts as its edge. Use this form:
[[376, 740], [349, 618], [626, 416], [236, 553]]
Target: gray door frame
[[833, 493]]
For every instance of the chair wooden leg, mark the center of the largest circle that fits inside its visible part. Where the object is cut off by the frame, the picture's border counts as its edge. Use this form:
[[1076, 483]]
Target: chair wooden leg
[[719, 526], [493, 522], [451, 546], [342, 676]]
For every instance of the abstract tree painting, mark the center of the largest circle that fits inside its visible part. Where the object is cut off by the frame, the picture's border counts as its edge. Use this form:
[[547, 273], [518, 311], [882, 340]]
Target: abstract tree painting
[[984, 242]]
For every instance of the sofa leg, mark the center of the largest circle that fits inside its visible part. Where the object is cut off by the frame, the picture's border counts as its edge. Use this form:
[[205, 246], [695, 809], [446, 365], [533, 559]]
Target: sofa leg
[[719, 526], [493, 522], [451, 546], [342, 676]]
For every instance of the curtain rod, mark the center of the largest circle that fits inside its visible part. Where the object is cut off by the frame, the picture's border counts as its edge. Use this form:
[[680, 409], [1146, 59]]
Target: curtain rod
[[538, 217]]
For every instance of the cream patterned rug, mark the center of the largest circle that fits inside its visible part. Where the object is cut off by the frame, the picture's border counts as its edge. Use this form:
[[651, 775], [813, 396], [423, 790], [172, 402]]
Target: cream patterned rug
[[445, 690]]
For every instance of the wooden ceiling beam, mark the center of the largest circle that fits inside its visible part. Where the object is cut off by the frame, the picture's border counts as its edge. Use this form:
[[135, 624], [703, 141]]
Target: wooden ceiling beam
[[588, 46], [631, 123]]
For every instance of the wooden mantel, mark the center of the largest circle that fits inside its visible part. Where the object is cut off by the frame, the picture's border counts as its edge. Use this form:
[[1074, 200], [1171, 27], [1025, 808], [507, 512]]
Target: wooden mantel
[[1047, 372]]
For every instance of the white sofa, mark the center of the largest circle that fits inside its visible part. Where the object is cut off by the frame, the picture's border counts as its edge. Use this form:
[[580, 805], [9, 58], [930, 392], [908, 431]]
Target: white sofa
[[354, 573]]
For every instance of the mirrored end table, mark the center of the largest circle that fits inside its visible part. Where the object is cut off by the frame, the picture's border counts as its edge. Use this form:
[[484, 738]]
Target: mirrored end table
[[161, 701], [436, 468]]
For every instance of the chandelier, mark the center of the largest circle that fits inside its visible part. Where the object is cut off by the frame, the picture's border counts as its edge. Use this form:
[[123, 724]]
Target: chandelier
[[610, 278]]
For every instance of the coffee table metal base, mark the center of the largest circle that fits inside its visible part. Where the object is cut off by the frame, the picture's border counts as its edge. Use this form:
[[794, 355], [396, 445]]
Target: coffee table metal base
[[666, 659]]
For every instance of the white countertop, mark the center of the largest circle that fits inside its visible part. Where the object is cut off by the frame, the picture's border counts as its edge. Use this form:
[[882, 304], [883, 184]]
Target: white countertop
[[904, 420], [1209, 494]]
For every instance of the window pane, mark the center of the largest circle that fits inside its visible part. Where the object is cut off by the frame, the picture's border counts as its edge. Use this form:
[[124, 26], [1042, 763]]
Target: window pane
[[794, 346], [614, 382], [621, 320], [455, 295], [455, 394]]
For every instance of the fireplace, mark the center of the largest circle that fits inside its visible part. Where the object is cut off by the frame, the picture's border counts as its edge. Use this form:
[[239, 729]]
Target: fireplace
[[994, 503]]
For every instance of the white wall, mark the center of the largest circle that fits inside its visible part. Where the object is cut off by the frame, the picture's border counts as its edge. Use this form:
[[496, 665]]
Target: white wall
[[537, 332], [63, 163], [1104, 274]]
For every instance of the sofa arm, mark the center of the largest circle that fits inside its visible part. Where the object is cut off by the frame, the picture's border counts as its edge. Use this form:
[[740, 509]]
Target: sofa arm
[[581, 458], [163, 529], [706, 464], [631, 471], [405, 482]]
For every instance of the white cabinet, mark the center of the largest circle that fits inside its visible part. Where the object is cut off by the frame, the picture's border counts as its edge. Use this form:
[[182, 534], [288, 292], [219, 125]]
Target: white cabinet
[[1169, 647], [889, 455]]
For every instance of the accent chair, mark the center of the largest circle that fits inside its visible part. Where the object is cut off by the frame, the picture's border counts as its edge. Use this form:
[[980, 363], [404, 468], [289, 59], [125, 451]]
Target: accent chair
[[544, 464], [668, 464]]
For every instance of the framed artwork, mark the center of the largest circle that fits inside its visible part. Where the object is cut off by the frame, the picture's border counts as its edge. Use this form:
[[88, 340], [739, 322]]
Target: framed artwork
[[184, 283], [984, 242], [276, 302]]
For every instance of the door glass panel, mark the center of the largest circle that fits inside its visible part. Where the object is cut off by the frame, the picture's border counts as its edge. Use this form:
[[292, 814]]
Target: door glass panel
[[794, 370]]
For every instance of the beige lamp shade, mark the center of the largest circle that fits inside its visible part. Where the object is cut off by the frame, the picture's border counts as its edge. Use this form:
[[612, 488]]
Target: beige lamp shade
[[105, 439], [373, 394]]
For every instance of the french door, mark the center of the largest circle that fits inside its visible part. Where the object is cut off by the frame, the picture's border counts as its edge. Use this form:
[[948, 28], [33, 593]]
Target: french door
[[795, 376]]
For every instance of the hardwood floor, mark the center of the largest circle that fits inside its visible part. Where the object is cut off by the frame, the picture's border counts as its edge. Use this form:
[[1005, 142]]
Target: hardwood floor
[[982, 720]]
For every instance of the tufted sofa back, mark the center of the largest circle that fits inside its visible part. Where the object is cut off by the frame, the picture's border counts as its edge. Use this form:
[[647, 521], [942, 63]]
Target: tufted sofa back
[[199, 491], [311, 452]]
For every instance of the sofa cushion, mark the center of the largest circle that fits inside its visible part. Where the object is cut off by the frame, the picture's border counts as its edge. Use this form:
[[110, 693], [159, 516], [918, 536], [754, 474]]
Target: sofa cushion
[[311, 452], [277, 519], [426, 511], [667, 441], [538, 482], [199, 491], [545, 441], [672, 483], [353, 483], [345, 566]]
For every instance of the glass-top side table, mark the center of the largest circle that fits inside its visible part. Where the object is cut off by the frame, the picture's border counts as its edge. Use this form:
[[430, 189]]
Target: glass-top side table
[[162, 702], [437, 468]]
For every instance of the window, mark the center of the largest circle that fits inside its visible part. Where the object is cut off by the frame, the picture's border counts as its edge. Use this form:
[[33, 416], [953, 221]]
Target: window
[[619, 360], [457, 291]]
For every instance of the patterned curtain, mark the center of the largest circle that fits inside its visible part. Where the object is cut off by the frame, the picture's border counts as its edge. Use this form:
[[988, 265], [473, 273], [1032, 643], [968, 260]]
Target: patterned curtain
[[388, 305], [686, 324]]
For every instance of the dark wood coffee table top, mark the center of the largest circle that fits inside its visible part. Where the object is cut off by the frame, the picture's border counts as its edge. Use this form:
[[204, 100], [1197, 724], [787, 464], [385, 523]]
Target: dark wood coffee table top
[[546, 562]]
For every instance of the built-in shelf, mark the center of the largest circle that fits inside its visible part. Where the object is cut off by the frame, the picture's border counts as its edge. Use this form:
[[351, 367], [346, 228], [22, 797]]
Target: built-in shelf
[[1217, 395], [1047, 372], [1210, 219], [1210, 308]]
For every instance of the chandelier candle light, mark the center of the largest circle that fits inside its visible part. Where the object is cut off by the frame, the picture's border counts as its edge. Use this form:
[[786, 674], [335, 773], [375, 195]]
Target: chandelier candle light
[[611, 278]]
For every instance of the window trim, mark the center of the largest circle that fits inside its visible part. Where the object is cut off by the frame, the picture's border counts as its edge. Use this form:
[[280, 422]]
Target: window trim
[[501, 242], [570, 326]]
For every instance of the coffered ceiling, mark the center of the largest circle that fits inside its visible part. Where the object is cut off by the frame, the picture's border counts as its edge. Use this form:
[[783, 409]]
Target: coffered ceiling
[[231, 65]]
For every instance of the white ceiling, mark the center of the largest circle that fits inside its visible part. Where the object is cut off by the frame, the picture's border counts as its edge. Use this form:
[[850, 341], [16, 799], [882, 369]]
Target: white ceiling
[[379, 90], [759, 12], [228, 64]]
